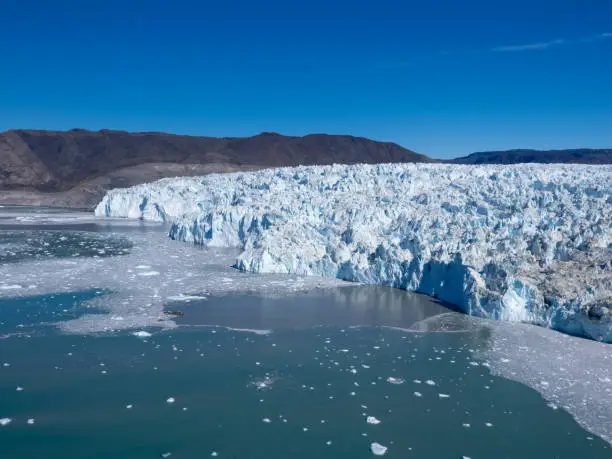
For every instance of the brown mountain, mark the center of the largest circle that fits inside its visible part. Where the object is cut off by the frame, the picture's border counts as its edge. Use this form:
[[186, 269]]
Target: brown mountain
[[75, 168]]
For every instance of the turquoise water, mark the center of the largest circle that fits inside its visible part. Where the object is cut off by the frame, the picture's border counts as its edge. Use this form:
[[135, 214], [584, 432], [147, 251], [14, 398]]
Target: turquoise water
[[256, 376], [33, 316], [316, 384]]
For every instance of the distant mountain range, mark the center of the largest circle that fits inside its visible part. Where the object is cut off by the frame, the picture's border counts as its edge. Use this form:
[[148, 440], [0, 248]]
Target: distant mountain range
[[575, 156], [75, 168]]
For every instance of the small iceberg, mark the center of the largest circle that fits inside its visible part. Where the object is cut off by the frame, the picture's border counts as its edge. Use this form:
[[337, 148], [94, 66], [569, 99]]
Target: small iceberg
[[142, 334], [372, 420], [378, 449]]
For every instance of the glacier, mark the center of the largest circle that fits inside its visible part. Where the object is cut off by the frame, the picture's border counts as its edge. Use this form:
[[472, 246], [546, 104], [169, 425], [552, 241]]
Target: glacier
[[524, 243]]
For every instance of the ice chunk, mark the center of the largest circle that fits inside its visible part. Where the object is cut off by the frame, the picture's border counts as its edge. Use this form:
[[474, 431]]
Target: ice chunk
[[186, 298], [142, 334], [378, 449], [170, 400], [5, 421], [393, 380], [10, 287], [372, 420], [263, 383], [251, 330]]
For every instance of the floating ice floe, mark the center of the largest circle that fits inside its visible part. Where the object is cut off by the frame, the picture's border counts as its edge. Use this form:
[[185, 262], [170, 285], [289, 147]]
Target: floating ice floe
[[10, 287], [142, 334], [186, 298], [393, 380], [528, 242], [263, 383], [170, 400], [372, 420], [250, 330], [378, 449], [5, 421]]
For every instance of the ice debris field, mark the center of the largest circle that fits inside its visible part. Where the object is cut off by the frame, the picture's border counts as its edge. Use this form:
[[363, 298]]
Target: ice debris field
[[133, 274], [525, 242]]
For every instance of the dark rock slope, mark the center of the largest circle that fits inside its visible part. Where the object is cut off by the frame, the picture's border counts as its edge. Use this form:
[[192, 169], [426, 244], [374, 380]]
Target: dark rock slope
[[75, 168], [58, 161]]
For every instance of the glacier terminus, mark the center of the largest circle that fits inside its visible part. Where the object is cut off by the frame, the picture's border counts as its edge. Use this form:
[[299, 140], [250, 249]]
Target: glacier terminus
[[529, 243]]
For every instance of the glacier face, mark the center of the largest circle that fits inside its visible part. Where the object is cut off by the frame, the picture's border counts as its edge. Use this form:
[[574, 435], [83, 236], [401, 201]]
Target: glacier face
[[529, 243]]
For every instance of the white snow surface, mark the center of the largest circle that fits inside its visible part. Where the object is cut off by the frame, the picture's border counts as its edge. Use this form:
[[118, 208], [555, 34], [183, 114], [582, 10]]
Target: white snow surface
[[529, 243]]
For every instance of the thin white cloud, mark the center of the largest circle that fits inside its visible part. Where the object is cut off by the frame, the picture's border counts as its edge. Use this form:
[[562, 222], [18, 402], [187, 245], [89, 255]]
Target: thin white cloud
[[550, 44], [592, 38], [530, 46], [397, 65]]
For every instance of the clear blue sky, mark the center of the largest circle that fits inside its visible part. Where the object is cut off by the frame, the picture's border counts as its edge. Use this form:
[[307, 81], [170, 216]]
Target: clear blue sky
[[442, 77]]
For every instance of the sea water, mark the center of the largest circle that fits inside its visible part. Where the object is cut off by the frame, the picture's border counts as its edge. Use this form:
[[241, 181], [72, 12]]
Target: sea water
[[259, 370]]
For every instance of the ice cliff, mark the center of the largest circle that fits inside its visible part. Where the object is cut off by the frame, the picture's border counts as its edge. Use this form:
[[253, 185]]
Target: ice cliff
[[528, 243]]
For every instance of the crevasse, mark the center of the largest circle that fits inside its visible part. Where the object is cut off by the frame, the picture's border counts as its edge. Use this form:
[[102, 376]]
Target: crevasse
[[528, 242]]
